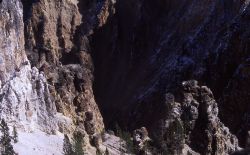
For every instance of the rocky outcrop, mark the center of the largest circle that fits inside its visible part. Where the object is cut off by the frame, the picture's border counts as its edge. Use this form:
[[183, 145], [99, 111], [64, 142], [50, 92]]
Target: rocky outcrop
[[141, 140], [217, 137], [194, 121]]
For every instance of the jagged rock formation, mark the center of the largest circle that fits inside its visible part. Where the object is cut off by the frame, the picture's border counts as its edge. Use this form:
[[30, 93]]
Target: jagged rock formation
[[141, 140], [193, 121]]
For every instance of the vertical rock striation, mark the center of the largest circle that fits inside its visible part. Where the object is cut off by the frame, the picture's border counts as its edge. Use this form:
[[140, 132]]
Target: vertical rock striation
[[57, 43], [52, 91], [25, 99]]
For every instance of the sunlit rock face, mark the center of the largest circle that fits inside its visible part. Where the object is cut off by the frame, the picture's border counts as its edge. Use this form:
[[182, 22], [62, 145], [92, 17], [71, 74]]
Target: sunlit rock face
[[57, 42], [51, 92], [25, 99]]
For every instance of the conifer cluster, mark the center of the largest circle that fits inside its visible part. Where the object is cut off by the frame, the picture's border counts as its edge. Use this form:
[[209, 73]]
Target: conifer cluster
[[6, 148]]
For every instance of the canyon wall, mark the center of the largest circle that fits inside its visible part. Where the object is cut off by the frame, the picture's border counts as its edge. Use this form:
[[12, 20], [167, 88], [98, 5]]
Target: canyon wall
[[88, 65], [150, 47], [46, 71]]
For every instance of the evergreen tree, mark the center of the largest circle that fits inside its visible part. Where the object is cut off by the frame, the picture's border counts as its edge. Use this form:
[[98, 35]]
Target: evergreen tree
[[98, 152], [124, 137], [106, 152], [5, 141], [15, 137], [175, 137], [67, 146], [78, 144]]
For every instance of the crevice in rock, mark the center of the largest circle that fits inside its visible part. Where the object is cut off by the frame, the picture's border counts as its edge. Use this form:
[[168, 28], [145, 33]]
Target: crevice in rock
[[69, 58], [27, 8], [113, 56], [198, 134], [33, 53], [79, 84]]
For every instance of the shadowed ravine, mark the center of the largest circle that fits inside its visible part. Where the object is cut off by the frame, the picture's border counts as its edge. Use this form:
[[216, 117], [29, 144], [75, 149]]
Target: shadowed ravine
[[148, 48]]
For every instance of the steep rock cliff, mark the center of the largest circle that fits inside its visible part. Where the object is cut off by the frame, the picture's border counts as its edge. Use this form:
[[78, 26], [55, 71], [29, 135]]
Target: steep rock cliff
[[191, 118], [25, 100], [57, 43], [150, 47], [51, 93]]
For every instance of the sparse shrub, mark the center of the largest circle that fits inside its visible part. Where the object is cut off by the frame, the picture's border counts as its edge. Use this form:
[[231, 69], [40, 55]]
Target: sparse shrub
[[67, 146], [78, 143], [15, 137], [126, 136]]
